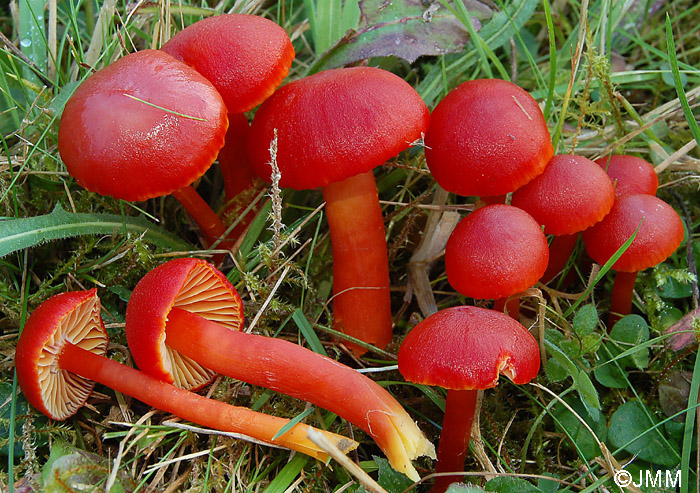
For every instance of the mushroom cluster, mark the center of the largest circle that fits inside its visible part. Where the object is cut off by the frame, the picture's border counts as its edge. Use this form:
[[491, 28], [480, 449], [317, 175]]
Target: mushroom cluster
[[153, 122]]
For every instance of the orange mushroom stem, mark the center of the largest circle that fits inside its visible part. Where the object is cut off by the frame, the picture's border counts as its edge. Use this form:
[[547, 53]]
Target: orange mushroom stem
[[60, 356]]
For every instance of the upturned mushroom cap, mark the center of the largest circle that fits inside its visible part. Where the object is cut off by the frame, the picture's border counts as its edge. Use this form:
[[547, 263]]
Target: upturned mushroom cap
[[630, 174], [660, 233], [142, 127], [244, 56], [190, 284], [572, 194], [467, 348], [66, 317], [487, 137], [335, 124], [496, 251]]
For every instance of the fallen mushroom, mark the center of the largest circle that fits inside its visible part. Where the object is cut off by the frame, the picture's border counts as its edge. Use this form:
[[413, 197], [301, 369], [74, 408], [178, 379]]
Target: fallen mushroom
[[182, 325], [147, 125], [659, 233], [464, 349], [60, 357], [332, 129]]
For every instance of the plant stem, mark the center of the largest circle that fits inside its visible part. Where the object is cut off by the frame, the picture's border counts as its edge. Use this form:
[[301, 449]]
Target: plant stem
[[208, 221], [188, 405], [361, 299], [293, 370], [454, 439], [621, 298]]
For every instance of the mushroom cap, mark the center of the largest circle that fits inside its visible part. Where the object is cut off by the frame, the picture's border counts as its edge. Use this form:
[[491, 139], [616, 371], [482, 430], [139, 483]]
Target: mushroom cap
[[659, 235], [66, 317], [572, 194], [630, 174], [496, 251], [114, 141], [244, 56], [190, 284], [466, 348], [487, 137], [335, 124]]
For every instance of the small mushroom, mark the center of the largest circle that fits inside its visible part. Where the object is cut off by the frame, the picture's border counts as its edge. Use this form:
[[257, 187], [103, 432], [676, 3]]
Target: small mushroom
[[464, 349], [495, 252], [147, 125], [659, 233], [245, 57], [487, 137], [60, 357], [183, 324], [572, 194], [630, 174], [333, 128]]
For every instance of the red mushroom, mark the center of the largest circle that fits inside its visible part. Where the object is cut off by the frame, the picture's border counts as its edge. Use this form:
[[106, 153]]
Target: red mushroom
[[60, 357], [464, 349], [495, 252], [630, 174], [145, 126], [572, 194], [659, 233], [245, 57], [182, 324], [487, 137], [333, 128]]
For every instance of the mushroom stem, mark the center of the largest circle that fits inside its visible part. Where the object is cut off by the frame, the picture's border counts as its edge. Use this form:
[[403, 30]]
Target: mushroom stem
[[296, 371], [509, 305], [621, 298], [190, 406], [207, 220], [559, 252], [361, 299], [454, 439]]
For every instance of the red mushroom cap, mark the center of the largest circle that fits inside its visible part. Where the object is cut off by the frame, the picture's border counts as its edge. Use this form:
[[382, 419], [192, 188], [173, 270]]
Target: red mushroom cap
[[336, 124], [496, 251], [142, 127], [630, 174], [659, 235], [244, 56], [74, 317], [487, 137], [193, 285], [466, 348], [572, 194]]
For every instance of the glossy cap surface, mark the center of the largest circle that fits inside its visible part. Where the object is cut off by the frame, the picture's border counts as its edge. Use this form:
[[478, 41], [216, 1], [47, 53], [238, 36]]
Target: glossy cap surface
[[572, 194], [66, 317], [487, 137], [496, 251], [190, 284], [660, 233], [467, 348], [142, 127], [244, 56], [335, 124], [630, 174]]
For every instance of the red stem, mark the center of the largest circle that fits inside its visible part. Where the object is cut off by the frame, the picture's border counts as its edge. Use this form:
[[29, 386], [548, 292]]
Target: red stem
[[361, 299], [621, 298], [454, 439], [512, 305], [296, 371], [208, 221], [188, 405], [559, 253]]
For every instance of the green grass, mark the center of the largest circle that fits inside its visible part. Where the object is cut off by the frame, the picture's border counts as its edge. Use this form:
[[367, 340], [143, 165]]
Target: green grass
[[611, 77]]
